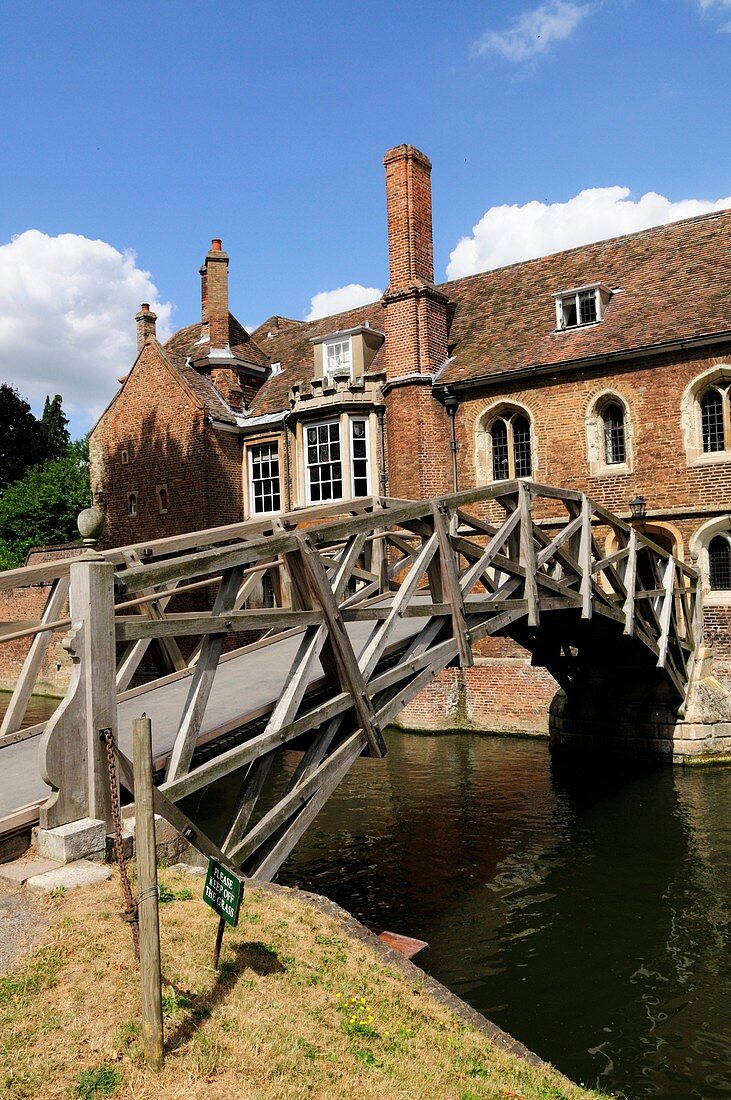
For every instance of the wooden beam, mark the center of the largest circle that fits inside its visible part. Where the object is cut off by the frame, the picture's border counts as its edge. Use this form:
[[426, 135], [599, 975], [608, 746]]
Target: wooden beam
[[202, 682], [349, 671], [528, 554], [451, 588], [585, 586], [14, 715]]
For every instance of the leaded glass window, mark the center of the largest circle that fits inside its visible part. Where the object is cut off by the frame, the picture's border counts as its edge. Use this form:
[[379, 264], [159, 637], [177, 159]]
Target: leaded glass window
[[500, 464], [614, 442], [719, 562], [359, 456], [324, 462], [264, 477], [712, 421], [587, 307], [510, 446], [521, 446]]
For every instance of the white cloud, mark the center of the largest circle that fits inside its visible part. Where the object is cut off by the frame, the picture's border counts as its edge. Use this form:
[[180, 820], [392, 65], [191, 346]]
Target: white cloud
[[507, 234], [67, 307], [343, 297], [716, 7], [534, 31]]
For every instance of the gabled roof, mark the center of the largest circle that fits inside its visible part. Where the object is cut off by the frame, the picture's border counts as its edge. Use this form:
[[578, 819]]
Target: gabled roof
[[670, 283], [291, 347], [189, 343]]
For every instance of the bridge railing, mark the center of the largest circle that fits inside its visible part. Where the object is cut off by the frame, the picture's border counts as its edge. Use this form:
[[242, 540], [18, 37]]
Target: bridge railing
[[427, 578]]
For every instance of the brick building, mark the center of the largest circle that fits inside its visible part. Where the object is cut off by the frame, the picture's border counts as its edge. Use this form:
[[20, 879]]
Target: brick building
[[605, 368]]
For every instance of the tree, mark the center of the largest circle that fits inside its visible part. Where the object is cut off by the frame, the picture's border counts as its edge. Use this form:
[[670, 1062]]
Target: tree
[[41, 507], [22, 442], [54, 427]]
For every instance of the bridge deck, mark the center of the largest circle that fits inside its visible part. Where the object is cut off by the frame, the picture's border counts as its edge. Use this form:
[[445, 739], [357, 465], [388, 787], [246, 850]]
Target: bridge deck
[[245, 686]]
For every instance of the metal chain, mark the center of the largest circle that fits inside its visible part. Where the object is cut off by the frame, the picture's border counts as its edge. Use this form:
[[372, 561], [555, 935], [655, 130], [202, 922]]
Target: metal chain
[[130, 911]]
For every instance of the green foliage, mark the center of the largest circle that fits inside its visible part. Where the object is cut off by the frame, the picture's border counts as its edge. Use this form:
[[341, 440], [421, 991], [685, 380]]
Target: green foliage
[[54, 427], [103, 1081], [21, 436], [41, 507]]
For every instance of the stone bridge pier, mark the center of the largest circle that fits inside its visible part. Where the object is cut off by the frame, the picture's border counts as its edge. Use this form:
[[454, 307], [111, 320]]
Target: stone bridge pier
[[631, 709]]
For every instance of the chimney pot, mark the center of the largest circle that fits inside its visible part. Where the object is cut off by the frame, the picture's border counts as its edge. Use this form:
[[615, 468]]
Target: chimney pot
[[216, 245], [145, 326]]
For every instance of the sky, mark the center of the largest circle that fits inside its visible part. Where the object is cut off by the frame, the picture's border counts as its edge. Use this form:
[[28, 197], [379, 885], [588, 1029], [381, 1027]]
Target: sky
[[135, 133]]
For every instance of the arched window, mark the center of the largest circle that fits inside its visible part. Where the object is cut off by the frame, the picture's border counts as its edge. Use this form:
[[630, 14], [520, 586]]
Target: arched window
[[608, 435], [615, 450], [162, 499], [713, 434], [719, 562], [132, 504], [510, 446]]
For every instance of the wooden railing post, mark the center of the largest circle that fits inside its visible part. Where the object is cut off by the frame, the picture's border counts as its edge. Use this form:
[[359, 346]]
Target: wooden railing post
[[92, 602]]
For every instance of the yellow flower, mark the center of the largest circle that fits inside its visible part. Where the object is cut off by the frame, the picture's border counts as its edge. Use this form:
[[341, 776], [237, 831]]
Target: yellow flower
[[338, 996]]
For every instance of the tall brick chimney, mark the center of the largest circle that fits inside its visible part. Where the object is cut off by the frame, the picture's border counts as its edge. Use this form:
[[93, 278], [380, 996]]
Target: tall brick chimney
[[145, 325], [214, 294], [417, 428]]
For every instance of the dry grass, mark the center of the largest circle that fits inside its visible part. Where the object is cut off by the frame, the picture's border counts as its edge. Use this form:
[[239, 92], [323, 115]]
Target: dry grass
[[298, 1010]]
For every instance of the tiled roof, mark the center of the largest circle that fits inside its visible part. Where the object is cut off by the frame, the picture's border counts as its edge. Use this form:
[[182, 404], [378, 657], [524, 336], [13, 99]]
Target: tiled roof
[[291, 347], [202, 387], [670, 283], [675, 283], [186, 343]]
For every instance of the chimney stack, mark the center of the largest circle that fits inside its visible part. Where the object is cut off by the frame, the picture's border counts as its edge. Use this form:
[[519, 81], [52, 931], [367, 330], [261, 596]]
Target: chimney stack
[[145, 326], [416, 313], [214, 294], [417, 428], [408, 199]]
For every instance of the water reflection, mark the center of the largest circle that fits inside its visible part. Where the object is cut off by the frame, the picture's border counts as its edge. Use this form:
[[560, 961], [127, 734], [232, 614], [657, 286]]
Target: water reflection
[[583, 908]]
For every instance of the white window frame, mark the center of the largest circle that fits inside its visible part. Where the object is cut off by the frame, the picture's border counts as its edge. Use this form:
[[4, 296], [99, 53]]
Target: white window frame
[[330, 344], [351, 440], [344, 456], [133, 504], [575, 296], [345, 427], [250, 448]]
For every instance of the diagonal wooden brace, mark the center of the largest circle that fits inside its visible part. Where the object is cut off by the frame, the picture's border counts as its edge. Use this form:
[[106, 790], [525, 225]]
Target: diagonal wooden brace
[[349, 674]]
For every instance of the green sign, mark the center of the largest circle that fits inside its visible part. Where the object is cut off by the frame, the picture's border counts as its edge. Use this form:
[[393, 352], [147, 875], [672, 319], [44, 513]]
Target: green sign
[[223, 892]]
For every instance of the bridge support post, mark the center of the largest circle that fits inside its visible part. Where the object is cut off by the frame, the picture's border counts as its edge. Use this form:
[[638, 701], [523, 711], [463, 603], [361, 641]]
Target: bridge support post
[[72, 754]]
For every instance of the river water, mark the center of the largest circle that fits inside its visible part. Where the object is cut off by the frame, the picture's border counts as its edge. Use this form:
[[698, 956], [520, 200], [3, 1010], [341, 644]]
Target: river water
[[583, 908]]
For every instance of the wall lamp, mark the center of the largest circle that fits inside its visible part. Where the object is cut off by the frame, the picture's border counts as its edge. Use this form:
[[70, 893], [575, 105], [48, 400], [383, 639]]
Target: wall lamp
[[638, 507]]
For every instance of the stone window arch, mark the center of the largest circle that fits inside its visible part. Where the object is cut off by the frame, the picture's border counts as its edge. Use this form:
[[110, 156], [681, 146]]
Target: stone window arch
[[505, 443], [706, 416], [609, 435], [710, 553]]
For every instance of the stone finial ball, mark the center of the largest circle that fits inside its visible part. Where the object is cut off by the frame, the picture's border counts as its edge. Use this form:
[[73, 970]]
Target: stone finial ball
[[90, 523]]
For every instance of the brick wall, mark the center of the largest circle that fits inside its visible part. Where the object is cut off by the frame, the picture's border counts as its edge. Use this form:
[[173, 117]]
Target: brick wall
[[26, 605], [162, 429], [500, 695]]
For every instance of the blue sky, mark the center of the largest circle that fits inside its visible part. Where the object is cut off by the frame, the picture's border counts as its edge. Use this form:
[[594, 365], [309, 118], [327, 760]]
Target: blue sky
[[155, 127]]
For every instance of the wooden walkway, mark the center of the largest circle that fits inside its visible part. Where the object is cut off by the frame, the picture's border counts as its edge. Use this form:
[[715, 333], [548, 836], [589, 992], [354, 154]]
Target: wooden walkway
[[373, 598]]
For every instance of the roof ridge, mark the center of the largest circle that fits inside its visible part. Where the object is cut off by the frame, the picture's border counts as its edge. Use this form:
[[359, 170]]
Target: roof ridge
[[662, 226]]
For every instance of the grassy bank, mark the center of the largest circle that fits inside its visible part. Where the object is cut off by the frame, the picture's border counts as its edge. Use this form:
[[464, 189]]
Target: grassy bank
[[299, 1009]]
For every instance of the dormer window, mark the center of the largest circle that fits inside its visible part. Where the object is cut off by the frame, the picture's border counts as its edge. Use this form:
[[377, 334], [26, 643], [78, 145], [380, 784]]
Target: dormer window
[[584, 305], [338, 358]]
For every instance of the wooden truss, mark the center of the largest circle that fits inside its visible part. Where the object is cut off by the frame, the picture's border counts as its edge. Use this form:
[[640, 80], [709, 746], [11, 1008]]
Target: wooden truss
[[425, 580]]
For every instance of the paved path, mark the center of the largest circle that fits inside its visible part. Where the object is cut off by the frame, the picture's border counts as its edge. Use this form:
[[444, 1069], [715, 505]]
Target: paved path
[[243, 685]]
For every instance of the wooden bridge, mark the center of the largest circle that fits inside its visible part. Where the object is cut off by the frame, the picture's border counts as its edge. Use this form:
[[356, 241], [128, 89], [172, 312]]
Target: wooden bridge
[[372, 598]]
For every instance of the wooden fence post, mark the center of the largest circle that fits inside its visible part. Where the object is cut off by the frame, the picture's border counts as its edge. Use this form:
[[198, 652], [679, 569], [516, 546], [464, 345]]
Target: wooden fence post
[[73, 756], [150, 977]]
